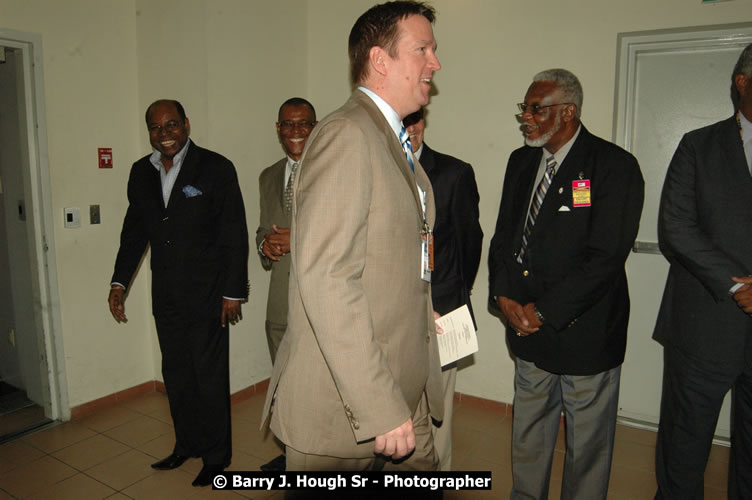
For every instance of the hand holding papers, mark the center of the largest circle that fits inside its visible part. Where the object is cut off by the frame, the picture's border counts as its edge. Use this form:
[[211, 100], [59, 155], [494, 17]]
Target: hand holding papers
[[459, 339]]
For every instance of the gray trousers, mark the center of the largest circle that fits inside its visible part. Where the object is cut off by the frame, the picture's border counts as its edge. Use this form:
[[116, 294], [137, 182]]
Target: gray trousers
[[590, 404]]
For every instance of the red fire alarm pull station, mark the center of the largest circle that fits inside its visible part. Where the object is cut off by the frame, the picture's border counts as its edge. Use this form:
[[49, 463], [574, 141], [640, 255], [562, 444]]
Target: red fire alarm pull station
[[105, 157]]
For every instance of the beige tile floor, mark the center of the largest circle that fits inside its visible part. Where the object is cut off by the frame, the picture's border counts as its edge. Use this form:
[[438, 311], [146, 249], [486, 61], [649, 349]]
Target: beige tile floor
[[107, 455]]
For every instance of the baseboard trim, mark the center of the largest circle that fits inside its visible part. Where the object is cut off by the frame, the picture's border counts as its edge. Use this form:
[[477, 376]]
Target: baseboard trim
[[504, 409], [85, 409]]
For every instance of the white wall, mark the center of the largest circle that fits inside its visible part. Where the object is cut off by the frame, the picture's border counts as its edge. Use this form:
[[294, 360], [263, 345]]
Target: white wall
[[231, 63]]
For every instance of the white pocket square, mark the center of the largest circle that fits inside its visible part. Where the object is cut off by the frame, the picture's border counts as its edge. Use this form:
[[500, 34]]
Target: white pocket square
[[564, 208]]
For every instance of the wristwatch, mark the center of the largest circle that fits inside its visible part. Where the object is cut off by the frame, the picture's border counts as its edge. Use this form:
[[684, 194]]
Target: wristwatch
[[538, 314]]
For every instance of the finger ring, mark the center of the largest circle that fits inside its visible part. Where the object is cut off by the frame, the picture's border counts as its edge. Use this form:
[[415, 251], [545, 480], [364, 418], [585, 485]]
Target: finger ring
[[519, 333]]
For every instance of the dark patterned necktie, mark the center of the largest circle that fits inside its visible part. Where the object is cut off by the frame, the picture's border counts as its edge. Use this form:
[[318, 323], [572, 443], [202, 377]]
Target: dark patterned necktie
[[288, 188], [540, 193]]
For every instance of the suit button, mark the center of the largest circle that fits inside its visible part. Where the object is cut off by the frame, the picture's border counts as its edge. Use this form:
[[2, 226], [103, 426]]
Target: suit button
[[356, 426], [525, 273], [167, 243]]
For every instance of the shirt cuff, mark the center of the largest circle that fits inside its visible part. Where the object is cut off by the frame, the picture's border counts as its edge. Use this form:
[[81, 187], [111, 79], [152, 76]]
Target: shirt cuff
[[734, 288]]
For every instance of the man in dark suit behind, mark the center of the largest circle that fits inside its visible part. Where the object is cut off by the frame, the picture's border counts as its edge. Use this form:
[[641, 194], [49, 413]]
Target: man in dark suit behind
[[295, 120], [704, 324], [457, 242], [569, 214], [185, 202]]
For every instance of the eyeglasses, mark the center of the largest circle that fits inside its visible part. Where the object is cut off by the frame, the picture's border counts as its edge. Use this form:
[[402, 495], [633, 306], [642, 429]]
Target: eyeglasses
[[288, 125], [535, 109], [170, 126]]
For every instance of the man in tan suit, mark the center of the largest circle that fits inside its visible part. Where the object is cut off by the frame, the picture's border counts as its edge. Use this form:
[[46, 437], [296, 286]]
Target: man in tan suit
[[357, 375], [295, 120]]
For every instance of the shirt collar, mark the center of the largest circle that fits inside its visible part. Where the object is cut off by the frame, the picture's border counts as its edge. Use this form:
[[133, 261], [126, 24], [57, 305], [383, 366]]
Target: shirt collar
[[290, 161], [564, 150], [390, 114], [177, 160], [746, 128]]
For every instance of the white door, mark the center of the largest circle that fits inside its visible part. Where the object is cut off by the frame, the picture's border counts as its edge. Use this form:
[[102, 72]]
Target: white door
[[668, 83]]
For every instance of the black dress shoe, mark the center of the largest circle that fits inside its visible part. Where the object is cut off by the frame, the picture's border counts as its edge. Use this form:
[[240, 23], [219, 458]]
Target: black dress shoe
[[172, 462], [275, 465], [206, 476]]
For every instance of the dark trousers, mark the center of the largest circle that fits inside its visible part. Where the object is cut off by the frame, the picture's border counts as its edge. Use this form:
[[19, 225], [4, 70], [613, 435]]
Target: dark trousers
[[693, 392], [195, 367]]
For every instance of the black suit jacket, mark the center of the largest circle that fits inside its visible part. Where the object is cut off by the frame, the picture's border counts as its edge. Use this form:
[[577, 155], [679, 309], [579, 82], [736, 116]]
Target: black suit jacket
[[574, 265], [457, 233], [199, 243], [705, 232]]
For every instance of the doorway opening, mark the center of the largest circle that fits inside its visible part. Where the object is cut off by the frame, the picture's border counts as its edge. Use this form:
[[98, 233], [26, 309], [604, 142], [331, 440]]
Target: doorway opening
[[29, 367]]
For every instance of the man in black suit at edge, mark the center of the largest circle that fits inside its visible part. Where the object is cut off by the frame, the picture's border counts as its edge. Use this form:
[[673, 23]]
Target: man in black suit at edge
[[457, 243], [185, 202], [704, 324], [569, 214]]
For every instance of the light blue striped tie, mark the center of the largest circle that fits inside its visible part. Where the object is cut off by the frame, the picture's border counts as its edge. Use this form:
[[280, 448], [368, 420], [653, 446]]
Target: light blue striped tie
[[540, 193], [404, 138]]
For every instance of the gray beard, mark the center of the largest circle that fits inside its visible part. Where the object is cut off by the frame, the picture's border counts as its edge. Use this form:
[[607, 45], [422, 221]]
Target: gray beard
[[543, 140]]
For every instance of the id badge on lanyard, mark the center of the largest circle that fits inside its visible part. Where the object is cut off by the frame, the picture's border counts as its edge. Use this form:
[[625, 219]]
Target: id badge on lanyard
[[426, 248]]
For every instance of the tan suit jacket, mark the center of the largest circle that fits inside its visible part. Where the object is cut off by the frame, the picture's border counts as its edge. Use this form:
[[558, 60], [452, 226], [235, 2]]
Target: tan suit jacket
[[360, 350], [271, 198], [271, 192]]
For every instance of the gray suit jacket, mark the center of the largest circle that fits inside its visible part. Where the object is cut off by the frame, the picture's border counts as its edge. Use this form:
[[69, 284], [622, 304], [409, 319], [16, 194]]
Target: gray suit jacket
[[271, 191], [360, 349], [705, 232]]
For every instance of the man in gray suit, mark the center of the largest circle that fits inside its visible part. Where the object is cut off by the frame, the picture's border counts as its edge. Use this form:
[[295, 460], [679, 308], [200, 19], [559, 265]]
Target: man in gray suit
[[295, 120], [704, 324], [357, 376]]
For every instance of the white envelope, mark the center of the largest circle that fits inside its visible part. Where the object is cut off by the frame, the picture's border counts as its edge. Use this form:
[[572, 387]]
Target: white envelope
[[564, 208]]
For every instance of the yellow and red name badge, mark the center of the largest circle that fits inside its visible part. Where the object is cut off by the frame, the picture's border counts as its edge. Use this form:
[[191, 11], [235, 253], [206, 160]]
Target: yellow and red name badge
[[581, 193]]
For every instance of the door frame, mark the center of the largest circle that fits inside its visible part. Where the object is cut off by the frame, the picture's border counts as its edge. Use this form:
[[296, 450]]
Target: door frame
[[42, 241]]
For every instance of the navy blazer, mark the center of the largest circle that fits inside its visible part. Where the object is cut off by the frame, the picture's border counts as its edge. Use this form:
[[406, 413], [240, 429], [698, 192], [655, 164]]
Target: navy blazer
[[705, 232], [199, 243], [574, 264]]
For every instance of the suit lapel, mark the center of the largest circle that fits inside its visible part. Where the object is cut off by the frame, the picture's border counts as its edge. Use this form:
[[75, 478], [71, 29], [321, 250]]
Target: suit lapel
[[279, 182], [525, 187], [187, 173], [395, 149], [732, 148], [570, 169], [427, 159], [156, 184]]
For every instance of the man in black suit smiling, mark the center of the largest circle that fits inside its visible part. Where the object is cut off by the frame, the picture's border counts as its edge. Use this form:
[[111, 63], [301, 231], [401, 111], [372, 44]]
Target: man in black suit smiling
[[569, 214], [185, 202]]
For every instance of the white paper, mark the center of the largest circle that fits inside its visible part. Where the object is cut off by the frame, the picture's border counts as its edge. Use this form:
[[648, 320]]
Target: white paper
[[459, 338]]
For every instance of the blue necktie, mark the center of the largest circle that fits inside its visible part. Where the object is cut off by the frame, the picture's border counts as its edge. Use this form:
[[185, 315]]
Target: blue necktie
[[404, 138], [540, 193]]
